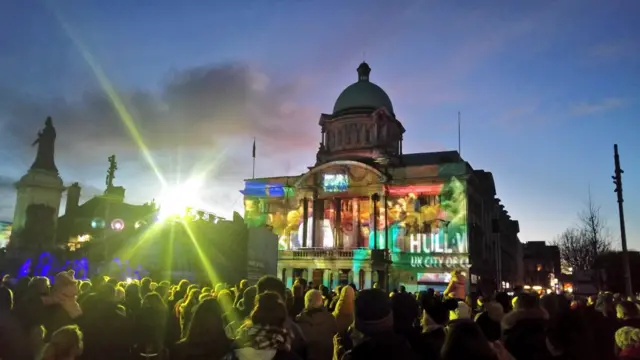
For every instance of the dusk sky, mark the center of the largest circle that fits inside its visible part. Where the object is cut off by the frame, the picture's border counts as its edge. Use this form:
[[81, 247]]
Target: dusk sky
[[545, 89]]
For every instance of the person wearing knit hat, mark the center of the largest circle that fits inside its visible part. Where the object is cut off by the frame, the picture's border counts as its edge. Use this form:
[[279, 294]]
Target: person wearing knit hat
[[489, 320], [628, 340], [434, 319], [372, 332]]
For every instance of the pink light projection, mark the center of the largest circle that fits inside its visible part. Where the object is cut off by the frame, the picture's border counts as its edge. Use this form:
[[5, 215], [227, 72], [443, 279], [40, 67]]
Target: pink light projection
[[433, 189]]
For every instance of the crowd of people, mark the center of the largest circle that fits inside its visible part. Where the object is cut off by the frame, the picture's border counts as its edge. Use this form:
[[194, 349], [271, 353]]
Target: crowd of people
[[105, 318]]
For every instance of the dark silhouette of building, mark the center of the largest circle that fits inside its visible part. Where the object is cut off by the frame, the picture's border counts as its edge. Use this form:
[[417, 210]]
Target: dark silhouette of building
[[612, 271], [540, 260]]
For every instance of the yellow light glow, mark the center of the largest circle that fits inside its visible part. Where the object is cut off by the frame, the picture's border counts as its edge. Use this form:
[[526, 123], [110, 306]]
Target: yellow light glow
[[84, 238], [175, 200], [129, 280]]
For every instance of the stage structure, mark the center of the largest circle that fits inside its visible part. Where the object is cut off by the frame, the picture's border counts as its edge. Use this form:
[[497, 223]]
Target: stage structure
[[366, 212]]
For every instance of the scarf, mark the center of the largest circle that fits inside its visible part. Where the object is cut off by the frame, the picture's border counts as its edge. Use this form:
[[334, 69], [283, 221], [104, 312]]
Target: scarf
[[263, 337]]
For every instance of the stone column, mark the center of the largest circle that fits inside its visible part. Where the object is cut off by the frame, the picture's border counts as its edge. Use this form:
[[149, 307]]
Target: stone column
[[318, 222], [338, 242], [374, 278], [336, 279], [374, 224], [368, 284], [305, 216], [309, 277], [326, 277], [355, 212], [288, 280], [386, 244], [314, 217]]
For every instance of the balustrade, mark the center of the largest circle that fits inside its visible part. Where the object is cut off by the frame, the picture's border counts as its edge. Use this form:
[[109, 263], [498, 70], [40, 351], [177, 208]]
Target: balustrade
[[323, 253]]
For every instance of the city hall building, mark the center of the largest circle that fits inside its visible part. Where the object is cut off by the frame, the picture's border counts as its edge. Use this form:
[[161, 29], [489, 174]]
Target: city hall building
[[367, 212]]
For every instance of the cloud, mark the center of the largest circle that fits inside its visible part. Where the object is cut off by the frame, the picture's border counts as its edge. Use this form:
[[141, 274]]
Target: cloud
[[7, 196], [614, 50], [200, 118], [6, 182], [592, 108], [196, 108], [518, 114]]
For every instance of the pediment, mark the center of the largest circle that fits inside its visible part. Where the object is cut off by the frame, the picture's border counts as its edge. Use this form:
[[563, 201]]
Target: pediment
[[339, 176]]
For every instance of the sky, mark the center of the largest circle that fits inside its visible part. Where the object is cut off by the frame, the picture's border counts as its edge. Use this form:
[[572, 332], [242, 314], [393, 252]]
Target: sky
[[545, 88]]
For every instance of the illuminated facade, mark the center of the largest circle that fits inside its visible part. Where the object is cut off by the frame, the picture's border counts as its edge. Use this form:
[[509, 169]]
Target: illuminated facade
[[367, 212]]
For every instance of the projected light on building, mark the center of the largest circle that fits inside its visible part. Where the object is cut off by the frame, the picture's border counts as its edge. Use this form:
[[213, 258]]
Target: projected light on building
[[335, 182], [327, 237]]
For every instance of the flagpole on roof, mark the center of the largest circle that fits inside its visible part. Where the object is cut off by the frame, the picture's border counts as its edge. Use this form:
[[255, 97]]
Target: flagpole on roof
[[459, 142], [253, 153]]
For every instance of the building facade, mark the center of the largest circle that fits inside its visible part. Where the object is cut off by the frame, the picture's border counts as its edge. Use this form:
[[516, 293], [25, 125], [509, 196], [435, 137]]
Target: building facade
[[541, 265], [366, 212]]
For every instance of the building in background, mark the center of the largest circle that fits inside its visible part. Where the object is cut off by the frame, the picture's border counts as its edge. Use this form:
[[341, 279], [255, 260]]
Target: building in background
[[5, 233], [541, 265], [367, 212]]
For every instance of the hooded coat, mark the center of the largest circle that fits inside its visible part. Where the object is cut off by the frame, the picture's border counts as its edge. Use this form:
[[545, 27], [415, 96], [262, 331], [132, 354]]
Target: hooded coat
[[318, 327]]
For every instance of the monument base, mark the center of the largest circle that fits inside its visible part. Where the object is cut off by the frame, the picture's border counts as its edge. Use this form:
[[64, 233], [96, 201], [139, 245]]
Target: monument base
[[37, 187]]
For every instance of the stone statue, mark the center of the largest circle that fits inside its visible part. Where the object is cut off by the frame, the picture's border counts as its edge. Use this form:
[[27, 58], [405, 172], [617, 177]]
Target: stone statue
[[45, 141], [111, 173]]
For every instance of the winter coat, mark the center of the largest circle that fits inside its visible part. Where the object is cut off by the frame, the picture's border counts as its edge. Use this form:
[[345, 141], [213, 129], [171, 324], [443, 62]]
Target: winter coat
[[431, 342], [248, 353], [489, 320], [299, 344], [107, 333], [383, 346], [318, 327], [14, 343], [630, 353], [524, 334], [184, 350], [344, 311], [456, 287]]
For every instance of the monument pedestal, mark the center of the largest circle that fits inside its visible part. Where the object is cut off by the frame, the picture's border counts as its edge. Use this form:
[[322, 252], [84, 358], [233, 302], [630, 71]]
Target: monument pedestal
[[37, 187]]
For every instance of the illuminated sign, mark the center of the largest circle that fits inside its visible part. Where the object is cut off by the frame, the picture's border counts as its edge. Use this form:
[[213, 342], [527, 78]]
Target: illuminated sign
[[440, 261], [436, 243], [335, 182]]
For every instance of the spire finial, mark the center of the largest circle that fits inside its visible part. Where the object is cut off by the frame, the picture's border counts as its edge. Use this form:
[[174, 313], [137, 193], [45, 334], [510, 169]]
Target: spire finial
[[363, 72]]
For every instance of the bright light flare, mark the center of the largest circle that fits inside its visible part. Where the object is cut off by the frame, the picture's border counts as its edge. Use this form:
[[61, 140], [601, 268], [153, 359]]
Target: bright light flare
[[174, 200]]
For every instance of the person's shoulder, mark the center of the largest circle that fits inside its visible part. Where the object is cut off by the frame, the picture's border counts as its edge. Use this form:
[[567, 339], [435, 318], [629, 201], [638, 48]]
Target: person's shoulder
[[286, 355]]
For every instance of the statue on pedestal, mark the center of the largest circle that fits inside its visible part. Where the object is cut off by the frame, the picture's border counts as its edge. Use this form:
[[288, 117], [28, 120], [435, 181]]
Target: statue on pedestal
[[111, 173], [45, 141]]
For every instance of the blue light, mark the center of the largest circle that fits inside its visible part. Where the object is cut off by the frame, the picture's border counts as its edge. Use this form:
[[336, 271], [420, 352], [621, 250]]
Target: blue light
[[261, 189]]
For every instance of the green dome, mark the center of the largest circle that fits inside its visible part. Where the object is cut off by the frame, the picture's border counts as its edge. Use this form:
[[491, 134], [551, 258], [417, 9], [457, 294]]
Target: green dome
[[363, 94]]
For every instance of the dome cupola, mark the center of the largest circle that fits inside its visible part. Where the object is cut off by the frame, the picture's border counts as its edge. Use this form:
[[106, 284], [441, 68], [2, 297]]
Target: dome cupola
[[362, 95]]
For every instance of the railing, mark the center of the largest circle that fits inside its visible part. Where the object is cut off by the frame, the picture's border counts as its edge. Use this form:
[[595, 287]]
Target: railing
[[324, 253]]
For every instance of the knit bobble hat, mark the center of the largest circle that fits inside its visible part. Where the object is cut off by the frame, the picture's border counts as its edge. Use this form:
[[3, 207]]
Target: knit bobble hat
[[373, 312]]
